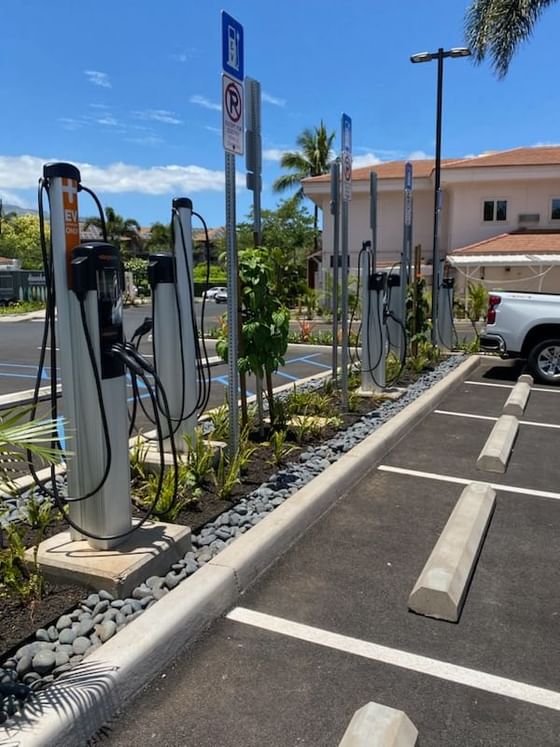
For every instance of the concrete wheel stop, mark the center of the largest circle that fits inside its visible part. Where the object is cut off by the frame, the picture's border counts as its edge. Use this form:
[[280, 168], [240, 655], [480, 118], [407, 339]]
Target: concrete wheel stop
[[517, 401], [376, 725], [149, 551], [441, 588], [496, 451]]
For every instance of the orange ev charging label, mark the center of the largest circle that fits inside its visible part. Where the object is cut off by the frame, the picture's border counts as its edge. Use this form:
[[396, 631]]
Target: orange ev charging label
[[71, 222]]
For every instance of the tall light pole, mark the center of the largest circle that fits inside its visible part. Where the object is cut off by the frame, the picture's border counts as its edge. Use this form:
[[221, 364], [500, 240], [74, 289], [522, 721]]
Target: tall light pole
[[440, 55]]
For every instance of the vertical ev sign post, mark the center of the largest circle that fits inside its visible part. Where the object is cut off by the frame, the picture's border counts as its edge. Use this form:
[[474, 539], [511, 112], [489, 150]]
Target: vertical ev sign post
[[406, 256], [233, 136], [346, 168]]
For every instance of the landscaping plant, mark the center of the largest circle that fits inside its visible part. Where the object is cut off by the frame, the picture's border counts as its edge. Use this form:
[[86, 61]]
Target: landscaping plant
[[264, 332]]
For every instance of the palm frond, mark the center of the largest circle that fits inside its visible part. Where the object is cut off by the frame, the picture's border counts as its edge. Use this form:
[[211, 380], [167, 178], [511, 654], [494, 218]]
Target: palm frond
[[497, 28]]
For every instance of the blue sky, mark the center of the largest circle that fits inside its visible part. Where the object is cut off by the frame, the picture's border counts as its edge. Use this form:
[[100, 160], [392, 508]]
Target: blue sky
[[132, 89]]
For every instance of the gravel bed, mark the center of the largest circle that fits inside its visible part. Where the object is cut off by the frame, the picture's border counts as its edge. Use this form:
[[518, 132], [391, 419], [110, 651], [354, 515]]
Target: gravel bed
[[76, 635]]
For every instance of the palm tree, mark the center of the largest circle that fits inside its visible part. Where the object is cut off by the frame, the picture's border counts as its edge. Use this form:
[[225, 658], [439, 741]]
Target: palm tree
[[118, 228], [312, 159], [160, 238], [498, 27]]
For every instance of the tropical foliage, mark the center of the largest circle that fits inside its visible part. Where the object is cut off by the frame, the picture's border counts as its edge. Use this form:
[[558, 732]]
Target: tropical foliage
[[288, 234], [160, 238], [313, 158], [498, 27], [20, 239], [124, 233]]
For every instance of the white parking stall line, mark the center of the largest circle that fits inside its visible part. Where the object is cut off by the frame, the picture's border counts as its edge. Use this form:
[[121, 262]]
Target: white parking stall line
[[489, 417], [468, 481], [510, 386], [398, 658]]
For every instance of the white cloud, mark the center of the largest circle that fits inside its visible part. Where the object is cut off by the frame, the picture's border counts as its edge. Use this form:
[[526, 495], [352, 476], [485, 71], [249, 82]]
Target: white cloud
[[108, 120], [70, 123], [159, 115], [146, 140], [269, 99], [11, 198], [215, 130], [273, 154], [204, 102], [365, 159], [21, 172], [97, 78], [418, 155]]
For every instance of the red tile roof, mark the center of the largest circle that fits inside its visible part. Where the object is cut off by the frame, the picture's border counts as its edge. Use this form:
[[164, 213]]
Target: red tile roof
[[387, 170], [536, 156], [516, 242], [545, 155]]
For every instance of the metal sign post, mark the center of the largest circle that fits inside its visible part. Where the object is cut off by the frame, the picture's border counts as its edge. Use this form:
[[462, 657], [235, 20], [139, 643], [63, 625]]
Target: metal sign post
[[373, 216], [253, 163], [232, 131], [253, 151], [335, 212], [346, 138]]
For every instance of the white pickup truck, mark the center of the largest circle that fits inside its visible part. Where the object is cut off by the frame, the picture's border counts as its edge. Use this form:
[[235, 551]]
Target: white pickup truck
[[523, 324]]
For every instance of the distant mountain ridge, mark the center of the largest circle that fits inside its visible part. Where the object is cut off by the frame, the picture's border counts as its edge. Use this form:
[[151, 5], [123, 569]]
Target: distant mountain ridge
[[7, 208]]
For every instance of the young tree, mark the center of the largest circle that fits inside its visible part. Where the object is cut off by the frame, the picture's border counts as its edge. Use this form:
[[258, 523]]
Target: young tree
[[312, 159], [498, 27], [264, 333]]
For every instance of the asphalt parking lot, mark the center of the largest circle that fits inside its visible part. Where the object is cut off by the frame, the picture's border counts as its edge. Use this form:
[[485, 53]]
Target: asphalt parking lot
[[327, 628], [19, 357]]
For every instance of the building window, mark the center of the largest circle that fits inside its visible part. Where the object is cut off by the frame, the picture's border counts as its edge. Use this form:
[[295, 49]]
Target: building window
[[555, 209], [496, 211]]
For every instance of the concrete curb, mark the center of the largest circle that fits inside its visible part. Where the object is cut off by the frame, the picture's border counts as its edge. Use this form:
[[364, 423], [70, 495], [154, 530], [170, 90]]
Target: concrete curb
[[441, 588], [129, 660], [376, 725], [496, 451], [26, 316]]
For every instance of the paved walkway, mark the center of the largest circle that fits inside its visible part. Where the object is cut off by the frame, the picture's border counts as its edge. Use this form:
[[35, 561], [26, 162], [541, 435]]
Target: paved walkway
[[327, 629]]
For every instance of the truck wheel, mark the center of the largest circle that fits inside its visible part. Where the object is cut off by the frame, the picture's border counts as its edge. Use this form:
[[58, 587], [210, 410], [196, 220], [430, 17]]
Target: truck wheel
[[544, 361]]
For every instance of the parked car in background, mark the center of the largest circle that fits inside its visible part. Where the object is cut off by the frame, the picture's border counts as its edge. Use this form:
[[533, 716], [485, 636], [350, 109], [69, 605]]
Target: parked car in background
[[211, 292], [525, 324], [221, 296]]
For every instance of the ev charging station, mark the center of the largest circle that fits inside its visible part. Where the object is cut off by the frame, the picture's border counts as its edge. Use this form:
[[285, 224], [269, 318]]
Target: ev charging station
[[88, 281], [395, 291], [374, 337], [445, 331], [175, 353]]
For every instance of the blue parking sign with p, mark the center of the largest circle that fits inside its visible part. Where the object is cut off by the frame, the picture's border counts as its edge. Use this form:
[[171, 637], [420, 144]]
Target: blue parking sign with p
[[232, 47]]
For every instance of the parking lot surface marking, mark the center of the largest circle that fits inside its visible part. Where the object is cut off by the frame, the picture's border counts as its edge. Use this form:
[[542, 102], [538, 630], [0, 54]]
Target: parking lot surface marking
[[490, 417], [510, 386], [399, 658], [466, 481]]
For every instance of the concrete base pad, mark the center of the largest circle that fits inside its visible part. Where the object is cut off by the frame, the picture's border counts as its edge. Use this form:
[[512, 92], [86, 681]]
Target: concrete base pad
[[442, 585], [376, 725], [152, 458], [390, 393], [497, 449], [150, 551]]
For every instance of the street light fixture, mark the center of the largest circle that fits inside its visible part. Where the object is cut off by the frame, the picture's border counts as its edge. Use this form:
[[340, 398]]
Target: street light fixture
[[440, 55]]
